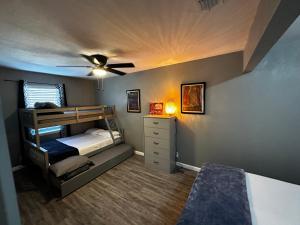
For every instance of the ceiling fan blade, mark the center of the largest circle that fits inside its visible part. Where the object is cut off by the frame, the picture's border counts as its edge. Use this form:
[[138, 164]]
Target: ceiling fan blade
[[89, 58], [90, 74], [99, 59], [76, 66], [114, 71], [120, 65]]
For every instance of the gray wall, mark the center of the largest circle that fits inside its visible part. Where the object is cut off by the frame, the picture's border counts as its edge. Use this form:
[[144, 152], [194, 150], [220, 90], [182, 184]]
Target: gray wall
[[252, 120], [78, 91]]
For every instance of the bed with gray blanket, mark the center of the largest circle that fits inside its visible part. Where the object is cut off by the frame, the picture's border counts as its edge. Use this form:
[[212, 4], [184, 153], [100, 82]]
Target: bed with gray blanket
[[223, 195]]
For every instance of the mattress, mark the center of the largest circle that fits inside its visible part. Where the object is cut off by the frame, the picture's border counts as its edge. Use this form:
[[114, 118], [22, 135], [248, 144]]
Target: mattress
[[273, 202], [84, 111], [87, 143]]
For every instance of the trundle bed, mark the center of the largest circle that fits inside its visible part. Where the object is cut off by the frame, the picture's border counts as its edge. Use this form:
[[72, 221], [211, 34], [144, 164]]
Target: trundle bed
[[104, 148]]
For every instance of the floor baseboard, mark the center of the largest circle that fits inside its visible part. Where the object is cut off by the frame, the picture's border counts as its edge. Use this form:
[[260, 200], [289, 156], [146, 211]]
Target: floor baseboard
[[180, 164], [139, 153], [188, 167]]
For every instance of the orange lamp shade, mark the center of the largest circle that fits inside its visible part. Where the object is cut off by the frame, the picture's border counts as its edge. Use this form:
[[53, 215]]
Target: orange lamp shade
[[170, 108]]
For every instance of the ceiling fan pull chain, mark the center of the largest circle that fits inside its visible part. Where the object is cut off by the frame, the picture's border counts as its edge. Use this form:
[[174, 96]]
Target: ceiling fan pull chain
[[102, 89]]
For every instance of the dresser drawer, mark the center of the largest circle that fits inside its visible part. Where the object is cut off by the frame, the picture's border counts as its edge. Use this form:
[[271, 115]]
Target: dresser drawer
[[158, 163], [157, 143], [157, 123], [157, 152], [157, 133]]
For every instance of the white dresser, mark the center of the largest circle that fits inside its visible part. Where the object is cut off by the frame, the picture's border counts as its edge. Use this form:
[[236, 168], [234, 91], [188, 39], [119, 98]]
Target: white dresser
[[160, 142]]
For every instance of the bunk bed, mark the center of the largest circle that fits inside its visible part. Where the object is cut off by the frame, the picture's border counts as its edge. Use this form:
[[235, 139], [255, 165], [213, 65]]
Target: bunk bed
[[104, 148]]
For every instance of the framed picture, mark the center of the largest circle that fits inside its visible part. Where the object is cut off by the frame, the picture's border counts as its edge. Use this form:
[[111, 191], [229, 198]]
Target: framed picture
[[133, 101], [193, 98], [156, 108]]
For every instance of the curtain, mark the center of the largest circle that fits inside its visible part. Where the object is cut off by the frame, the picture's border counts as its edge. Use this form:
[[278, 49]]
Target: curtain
[[21, 105], [21, 100]]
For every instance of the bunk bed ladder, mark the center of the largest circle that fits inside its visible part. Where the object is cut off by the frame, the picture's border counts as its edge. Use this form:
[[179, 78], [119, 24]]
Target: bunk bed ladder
[[112, 124], [118, 128]]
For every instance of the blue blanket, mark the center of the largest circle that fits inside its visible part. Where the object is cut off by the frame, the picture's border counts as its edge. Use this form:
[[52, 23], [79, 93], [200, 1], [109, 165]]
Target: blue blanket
[[58, 151], [218, 197]]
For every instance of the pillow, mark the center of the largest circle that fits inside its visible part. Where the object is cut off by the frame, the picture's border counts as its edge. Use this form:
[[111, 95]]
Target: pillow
[[94, 131], [107, 134], [116, 133], [101, 132], [45, 105], [69, 164]]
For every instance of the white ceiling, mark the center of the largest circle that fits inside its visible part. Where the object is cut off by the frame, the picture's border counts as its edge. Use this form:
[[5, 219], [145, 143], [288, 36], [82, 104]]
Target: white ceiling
[[37, 35]]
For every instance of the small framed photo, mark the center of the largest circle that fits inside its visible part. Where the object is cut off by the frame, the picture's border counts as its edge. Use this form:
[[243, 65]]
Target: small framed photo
[[193, 98], [156, 108], [133, 101]]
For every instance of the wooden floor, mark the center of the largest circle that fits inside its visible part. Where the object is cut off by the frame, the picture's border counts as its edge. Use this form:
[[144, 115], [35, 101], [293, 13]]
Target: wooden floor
[[127, 194]]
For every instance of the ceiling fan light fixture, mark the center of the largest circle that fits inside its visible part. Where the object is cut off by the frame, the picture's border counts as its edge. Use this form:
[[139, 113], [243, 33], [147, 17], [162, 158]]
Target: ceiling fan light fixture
[[96, 61], [99, 72]]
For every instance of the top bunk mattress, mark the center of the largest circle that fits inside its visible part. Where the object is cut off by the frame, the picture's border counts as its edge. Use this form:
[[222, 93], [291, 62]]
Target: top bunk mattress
[[87, 143]]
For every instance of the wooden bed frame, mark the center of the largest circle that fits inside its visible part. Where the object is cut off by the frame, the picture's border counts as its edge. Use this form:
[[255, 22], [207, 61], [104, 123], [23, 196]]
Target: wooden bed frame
[[41, 118]]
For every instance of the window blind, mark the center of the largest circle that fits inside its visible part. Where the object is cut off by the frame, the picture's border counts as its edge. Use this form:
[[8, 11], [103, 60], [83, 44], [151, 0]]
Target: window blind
[[41, 93], [35, 92]]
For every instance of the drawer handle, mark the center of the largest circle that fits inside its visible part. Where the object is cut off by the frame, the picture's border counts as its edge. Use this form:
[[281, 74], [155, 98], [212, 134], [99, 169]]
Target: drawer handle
[[156, 123], [156, 153], [155, 133], [156, 143], [155, 162]]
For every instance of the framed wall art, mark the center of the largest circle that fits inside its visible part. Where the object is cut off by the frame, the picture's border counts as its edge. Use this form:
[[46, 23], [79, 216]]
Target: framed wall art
[[133, 101], [193, 98]]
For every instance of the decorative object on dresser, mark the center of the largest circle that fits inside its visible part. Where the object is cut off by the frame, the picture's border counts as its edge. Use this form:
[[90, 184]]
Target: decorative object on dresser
[[160, 142], [156, 108], [193, 98], [133, 101], [170, 108]]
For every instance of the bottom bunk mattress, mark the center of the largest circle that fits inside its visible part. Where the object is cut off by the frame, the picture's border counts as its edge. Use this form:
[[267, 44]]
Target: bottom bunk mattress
[[81, 144], [226, 195], [88, 143]]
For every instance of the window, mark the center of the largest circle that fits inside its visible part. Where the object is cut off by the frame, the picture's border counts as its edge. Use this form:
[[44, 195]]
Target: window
[[35, 92]]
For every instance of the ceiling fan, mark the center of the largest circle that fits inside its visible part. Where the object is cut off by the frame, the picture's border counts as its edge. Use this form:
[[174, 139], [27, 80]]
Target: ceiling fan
[[100, 65]]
